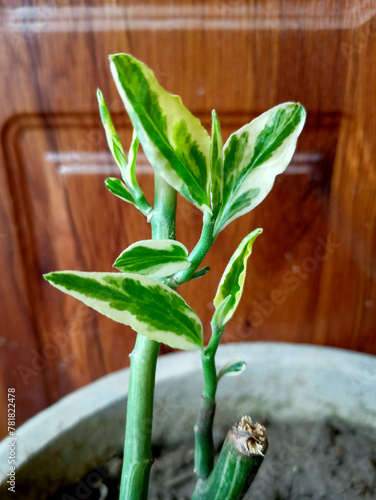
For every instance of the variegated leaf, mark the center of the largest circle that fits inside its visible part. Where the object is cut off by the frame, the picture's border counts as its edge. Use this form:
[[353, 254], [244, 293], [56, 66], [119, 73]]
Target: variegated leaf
[[174, 141], [112, 137], [148, 306], [154, 258], [216, 165], [232, 281], [130, 171], [119, 189], [254, 156], [234, 367], [130, 177]]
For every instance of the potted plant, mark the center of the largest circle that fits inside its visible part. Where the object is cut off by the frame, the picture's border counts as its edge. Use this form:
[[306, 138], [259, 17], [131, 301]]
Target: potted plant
[[224, 182]]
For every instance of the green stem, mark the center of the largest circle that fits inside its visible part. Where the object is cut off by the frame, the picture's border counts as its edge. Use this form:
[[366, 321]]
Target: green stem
[[203, 429], [241, 456], [215, 338], [198, 253], [137, 447], [204, 446], [210, 375], [164, 212]]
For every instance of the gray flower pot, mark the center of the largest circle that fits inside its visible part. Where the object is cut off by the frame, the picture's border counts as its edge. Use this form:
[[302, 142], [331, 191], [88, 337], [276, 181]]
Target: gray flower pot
[[285, 381]]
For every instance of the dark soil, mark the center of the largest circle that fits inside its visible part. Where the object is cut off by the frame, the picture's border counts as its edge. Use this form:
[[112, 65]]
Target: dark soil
[[318, 461]]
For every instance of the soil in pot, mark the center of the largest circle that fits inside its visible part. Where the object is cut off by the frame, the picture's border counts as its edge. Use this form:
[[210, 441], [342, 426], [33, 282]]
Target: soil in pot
[[325, 460]]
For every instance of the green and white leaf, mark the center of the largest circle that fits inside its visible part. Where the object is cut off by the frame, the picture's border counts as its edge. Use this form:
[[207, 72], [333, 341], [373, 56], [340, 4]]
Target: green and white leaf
[[254, 156], [216, 164], [130, 171], [154, 258], [119, 189], [112, 137], [130, 177], [232, 281], [148, 306], [233, 367], [174, 141]]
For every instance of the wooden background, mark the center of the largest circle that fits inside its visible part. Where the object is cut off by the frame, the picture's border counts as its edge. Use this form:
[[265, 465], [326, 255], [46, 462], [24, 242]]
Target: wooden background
[[312, 275]]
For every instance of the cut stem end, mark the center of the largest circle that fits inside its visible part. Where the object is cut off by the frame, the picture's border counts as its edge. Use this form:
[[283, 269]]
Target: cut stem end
[[239, 461]]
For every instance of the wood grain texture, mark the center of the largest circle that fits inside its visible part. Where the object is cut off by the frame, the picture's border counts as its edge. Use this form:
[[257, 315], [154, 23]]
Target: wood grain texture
[[312, 275]]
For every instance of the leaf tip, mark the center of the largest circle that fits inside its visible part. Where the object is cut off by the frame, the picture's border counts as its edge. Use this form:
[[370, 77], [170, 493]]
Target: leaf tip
[[303, 112], [113, 58], [47, 276], [300, 109], [52, 276]]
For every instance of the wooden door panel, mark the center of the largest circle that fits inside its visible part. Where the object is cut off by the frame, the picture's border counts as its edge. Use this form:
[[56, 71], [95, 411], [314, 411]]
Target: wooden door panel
[[312, 275]]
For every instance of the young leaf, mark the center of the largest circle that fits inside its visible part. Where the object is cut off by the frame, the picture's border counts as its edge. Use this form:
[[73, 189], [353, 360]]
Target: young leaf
[[174, 141], [130, 177], [112, 137], [130, 171], [154, 258], [232, 281], [216, 164], [119, 189], [148, 306], [234, 367], [199, 273], [254, 156]]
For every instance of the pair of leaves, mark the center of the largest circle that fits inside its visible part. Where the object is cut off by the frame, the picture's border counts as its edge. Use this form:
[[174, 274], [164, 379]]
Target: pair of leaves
[[134, 298], [228, 180], [129, 190]]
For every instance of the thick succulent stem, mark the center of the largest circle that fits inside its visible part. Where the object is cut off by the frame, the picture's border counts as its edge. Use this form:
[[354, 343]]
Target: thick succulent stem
[[241, 456], [164, 212], [137, 447]]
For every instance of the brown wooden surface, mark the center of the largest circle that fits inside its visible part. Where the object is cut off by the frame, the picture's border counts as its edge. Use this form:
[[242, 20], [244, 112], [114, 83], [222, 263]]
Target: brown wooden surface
[[312, 275]]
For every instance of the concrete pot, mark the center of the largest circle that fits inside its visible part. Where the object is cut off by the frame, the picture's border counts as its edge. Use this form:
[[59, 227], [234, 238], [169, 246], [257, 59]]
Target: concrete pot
[[287, 381]]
